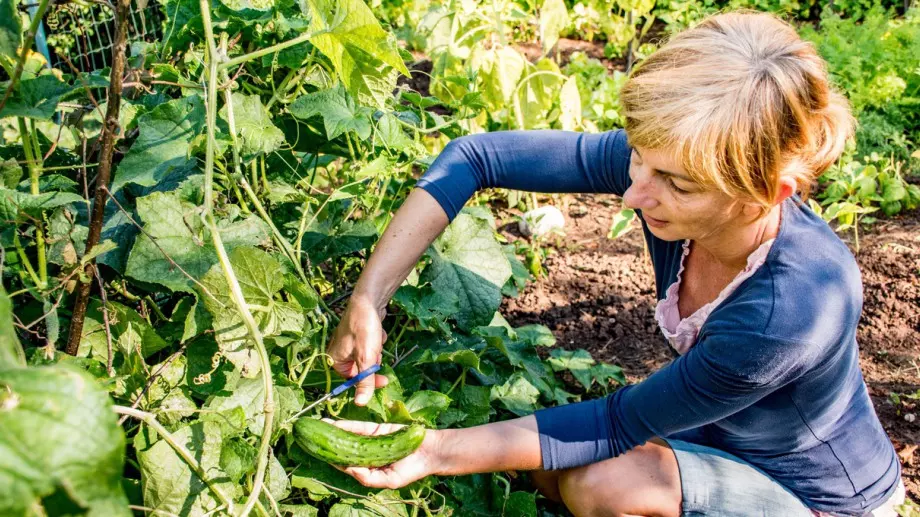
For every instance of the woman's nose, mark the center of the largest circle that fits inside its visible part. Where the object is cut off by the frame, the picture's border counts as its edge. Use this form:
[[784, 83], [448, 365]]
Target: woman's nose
[[640, 195]]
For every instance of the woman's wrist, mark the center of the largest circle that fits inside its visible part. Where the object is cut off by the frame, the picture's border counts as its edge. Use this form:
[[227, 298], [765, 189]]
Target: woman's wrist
[[442, 457]]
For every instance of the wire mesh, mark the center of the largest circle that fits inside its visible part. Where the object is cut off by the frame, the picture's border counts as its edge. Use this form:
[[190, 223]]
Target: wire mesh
[[83, 32]]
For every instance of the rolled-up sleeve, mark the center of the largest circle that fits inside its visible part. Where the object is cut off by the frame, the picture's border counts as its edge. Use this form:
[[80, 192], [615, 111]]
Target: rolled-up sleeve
[[537, 161]]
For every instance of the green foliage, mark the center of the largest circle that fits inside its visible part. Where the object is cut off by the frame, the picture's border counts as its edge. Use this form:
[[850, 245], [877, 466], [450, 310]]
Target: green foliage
[[326, 148], [876, 62], [62, 450], [852, 189]]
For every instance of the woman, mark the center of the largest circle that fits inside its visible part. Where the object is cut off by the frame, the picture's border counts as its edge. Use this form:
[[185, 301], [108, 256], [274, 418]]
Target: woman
[[765, 411]]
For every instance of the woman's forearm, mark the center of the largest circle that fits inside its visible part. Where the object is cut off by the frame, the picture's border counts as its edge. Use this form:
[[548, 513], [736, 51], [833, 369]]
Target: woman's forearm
[[416, 224], [509, 445]]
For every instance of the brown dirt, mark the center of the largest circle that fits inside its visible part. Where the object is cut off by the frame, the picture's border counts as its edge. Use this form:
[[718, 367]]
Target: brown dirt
[[599, 295]]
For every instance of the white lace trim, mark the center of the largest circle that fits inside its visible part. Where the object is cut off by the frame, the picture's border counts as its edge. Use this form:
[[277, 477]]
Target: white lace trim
[[682, 333]]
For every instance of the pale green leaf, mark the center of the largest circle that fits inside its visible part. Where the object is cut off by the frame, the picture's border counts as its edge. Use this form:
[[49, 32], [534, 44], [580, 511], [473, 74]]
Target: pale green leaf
[[517, 395], [425, 406], [249, 394], [260, 277], [569, 105], [353, 40], [298, 510], [253, 125], [59, 439], [554, 18], [178, 231], [169, 484], [622, 223]]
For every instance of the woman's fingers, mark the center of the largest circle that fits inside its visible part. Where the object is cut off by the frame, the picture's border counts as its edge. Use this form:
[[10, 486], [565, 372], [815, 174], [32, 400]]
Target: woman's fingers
[[368, 428]]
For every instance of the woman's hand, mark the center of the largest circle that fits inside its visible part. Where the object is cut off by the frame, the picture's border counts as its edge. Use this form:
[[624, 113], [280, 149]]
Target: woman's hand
[[423, 462], [358, 340], [358, 343]]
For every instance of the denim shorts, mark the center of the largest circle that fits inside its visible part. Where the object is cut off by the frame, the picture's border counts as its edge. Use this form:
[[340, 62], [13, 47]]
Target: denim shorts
[[716, 483]]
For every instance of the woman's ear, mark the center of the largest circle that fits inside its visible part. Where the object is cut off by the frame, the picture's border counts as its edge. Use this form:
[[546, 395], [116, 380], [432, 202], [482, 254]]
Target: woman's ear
[[787, 187]]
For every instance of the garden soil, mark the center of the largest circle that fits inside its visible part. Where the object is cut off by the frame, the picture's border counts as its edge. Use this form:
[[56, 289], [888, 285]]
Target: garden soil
[[598, 294]]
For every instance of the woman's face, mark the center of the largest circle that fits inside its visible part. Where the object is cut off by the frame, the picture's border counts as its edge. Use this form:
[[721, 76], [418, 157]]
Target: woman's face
[[673, 205]]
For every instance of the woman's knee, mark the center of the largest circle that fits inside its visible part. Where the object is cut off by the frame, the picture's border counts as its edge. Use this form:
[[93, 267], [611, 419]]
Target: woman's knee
[[547, 482], [643, 481]]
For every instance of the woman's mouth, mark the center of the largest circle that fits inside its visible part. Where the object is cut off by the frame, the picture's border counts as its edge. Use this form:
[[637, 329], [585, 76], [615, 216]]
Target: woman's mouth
[[657, 223]]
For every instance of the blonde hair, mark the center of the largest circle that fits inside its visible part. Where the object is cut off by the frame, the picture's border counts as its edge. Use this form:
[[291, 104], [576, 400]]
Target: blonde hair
[[739, 100]]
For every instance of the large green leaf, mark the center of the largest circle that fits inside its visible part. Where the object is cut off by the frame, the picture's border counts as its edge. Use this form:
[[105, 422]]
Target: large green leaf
[[338, 111], [177, 228], [585, 369], [517, 395], [122, 320], [169, 484], [468, 261], [352, 38], [36, 97], [323, 241], [163, 143], [249, 394], [500, 69], [428, 307], [14, 204], [386, 503], [10, 35], [254, 125], [261, 278], [60, 444]]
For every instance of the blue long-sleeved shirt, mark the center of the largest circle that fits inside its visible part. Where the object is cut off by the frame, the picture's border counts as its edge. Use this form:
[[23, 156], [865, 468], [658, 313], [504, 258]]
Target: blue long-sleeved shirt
[[774, 376]]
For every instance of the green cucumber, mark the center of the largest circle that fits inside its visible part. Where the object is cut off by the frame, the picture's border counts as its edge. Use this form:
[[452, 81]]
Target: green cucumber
[[340, 447]]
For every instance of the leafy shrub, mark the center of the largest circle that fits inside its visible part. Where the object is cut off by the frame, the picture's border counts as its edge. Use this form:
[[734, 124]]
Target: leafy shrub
[[877, 64]]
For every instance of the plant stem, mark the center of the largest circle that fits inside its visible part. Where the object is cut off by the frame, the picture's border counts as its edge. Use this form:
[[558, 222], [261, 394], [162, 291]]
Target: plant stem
[[237, 294], [25, 259], [110, 132], [35, 171], [268, 50]]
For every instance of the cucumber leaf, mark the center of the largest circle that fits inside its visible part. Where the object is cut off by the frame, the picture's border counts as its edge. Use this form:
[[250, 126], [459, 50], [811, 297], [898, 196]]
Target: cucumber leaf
[[517, 395], [260, 277], [178, 231], [466, 260], [358, 47], [169, 484], [60, 444], [163, 144], [253, 125]]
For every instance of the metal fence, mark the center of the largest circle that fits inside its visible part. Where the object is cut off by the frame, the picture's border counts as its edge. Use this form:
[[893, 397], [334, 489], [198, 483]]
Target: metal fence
[[82, 32]]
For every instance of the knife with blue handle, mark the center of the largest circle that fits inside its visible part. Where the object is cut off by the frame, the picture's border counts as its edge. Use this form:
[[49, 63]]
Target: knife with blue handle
[[338, 390]]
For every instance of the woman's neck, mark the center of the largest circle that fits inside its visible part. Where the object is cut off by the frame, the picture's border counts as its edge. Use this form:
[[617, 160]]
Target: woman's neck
[[730, 246]]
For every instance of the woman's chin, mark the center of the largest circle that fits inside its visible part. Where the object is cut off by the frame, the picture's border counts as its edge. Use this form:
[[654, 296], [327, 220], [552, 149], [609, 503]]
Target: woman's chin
[[664, 233]]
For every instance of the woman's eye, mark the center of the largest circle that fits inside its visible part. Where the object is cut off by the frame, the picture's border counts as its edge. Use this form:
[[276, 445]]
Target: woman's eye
[[674, 186]]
